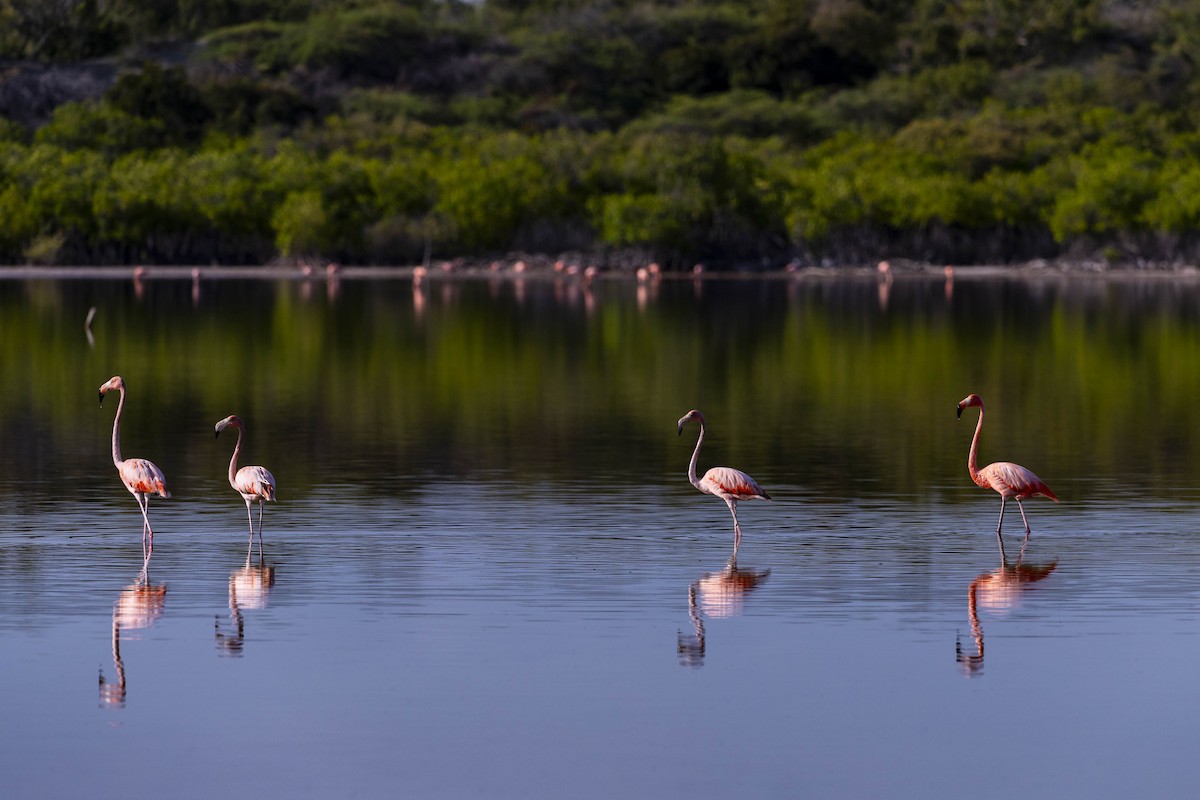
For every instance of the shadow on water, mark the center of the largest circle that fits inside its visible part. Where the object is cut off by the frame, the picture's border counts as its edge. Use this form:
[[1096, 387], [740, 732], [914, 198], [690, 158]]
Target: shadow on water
[[138, 606], [249, 587], [999, 592], [715, 595]]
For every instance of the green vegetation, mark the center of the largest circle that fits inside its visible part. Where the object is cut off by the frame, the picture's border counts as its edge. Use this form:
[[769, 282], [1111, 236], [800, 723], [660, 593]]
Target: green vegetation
[[379, 131]]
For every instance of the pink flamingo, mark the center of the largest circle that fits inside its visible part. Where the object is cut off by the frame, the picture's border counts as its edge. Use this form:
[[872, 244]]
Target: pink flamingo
[[1006, 478], [726, 483], [141, 477], [252, 483]]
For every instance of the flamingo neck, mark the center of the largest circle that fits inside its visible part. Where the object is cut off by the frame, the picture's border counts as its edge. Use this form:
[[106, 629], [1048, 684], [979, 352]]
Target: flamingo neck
[[973, 456], [116, 437], [237, 448], [695, 455]]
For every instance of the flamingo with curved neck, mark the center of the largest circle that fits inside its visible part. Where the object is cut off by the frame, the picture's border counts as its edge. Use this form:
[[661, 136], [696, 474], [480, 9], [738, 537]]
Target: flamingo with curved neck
[[731, 485], [141, 477], [252, 483], [1006, 478]]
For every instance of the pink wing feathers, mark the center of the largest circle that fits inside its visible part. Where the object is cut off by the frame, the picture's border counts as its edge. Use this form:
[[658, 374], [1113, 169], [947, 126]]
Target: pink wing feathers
[[1013, 480], [726, 480], [140, 475], [256, 482]]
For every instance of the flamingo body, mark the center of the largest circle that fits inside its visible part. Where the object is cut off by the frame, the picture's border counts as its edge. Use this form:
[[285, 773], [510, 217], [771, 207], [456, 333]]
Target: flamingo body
[[141, 477], [731, 485], [1012, 480], [1007, 479], [729, 482], [253, 483]]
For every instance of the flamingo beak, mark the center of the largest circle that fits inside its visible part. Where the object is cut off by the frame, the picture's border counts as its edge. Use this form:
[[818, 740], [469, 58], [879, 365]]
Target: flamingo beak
[[958, 410], [102, 398], [681, 430]]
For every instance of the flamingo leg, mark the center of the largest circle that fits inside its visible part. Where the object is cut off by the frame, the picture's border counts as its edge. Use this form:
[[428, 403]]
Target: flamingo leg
[[144, 506], [260, 516], [137, 499], [1023, 519], [1000, 525], [250, 520], [737, 529]]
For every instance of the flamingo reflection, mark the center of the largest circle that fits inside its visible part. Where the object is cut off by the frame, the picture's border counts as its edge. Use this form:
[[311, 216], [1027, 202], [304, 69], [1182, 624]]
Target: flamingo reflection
[[885, 284], [998, 592], [138, 606], [333, 281], [249, 587], [716, 595]]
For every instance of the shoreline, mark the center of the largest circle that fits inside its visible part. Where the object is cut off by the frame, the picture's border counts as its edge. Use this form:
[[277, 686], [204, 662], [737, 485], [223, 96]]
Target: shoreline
[[518, 270]]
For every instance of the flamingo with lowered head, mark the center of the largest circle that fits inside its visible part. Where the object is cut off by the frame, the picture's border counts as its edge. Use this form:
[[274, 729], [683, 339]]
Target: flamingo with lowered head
[[141, 477], [1006, 478], [252, 483], [731, 485]]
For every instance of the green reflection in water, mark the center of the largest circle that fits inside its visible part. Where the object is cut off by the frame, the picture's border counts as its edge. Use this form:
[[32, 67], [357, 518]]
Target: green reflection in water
[[844, 388]]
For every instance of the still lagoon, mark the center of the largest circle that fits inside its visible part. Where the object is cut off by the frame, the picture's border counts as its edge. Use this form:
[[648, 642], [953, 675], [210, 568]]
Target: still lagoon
[[487, 575]]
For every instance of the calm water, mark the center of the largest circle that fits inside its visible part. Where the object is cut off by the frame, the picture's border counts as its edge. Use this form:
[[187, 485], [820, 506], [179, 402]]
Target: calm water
[[487, 575]]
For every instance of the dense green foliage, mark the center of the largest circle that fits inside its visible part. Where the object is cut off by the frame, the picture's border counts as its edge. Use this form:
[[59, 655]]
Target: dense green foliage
[[383, 131]]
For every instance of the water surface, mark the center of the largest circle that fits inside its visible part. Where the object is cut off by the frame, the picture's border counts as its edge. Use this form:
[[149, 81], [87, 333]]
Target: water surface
[[487, 575]]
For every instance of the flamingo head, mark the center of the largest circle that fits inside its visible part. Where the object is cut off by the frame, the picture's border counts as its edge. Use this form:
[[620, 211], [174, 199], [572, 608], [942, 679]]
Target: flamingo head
[[232, 419], [116, 382], [688, 417], [967, 402]]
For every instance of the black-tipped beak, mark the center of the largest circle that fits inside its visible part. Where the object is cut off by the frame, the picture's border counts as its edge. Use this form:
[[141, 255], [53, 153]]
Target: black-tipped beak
[[102, 398], [680, 430], [958, 412], [217, 433]]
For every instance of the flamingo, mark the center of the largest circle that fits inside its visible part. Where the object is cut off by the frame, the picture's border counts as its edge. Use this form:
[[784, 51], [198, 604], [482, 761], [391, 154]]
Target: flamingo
[[141, 477], [252, 483], [1005, 477], [729, 484]]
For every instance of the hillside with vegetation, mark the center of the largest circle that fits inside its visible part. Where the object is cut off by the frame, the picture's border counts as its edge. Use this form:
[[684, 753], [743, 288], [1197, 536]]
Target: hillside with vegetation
[[740, 133]]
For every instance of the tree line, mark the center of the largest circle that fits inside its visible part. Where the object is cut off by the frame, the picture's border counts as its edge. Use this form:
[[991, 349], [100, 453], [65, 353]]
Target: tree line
[[387, 132]]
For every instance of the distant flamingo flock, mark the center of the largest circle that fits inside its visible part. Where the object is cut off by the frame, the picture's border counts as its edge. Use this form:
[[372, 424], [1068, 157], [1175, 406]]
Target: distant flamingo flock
[[144, 479]]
